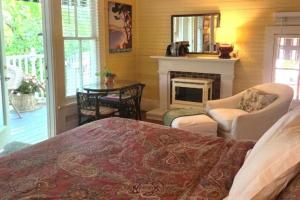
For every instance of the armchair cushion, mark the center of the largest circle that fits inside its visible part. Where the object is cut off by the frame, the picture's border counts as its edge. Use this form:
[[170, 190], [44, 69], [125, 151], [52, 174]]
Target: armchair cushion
[[254, 100], [103, 110], [225, 116]]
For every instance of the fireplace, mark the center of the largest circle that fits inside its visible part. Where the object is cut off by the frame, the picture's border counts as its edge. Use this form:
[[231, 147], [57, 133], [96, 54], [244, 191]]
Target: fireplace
[[223, 68], [190, 92]]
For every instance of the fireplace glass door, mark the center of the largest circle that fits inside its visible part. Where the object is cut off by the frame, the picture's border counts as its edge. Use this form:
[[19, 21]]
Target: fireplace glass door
[[189, 94]]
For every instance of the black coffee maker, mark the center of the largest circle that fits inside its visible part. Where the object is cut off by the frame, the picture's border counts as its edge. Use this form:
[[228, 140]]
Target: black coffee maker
[[178, 48]]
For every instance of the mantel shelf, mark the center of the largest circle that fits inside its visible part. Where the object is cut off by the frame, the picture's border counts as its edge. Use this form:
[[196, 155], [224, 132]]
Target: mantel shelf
[[196, 59]]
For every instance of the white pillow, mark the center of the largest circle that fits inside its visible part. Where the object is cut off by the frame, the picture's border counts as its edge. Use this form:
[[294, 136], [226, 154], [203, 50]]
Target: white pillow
[[272, 163]]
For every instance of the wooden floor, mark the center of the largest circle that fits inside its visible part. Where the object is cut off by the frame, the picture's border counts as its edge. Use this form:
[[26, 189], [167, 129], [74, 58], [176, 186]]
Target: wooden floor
[[148, 120], [31, 128]]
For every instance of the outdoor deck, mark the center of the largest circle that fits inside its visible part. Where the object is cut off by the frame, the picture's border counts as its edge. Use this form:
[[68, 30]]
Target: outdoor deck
[[31, 128]]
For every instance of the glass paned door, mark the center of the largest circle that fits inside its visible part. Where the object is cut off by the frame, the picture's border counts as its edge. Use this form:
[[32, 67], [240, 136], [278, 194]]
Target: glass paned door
[[26, 73], [3, 113], [3, 91], [2, 102], [286, 68]]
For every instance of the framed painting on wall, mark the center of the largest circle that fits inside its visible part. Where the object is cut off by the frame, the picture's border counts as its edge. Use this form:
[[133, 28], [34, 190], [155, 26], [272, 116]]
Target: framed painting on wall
[[120, 27]]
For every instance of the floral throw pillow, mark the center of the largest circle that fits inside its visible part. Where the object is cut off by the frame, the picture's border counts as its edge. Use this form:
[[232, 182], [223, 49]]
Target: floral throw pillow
[[254, 100]]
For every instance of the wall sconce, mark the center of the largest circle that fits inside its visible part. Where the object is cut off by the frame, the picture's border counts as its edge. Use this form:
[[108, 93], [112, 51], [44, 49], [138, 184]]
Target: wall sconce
[[226, 38]]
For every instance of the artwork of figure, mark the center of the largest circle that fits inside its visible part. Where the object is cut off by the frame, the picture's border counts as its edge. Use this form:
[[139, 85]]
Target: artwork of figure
[[120, 27]]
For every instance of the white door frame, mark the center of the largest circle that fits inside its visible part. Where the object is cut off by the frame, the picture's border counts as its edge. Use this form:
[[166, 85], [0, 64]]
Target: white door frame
[[4, 93], [271, 33], [48, 52]]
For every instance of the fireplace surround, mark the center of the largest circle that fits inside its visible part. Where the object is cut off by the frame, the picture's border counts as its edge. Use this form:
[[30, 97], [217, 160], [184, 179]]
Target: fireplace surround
[[203, 65]]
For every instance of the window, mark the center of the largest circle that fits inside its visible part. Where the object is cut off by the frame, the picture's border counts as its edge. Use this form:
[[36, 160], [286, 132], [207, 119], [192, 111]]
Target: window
[[287, 61], [80, 32]]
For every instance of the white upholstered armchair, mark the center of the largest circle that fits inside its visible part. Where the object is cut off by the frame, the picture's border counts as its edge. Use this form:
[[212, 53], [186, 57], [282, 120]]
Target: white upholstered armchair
[[239, 124]]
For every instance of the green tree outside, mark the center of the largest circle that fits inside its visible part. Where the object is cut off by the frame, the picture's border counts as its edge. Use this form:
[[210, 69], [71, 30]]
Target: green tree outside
[[23, 27]]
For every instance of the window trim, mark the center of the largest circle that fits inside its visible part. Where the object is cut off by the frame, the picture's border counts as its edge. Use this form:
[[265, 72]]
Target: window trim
[[95, 36]]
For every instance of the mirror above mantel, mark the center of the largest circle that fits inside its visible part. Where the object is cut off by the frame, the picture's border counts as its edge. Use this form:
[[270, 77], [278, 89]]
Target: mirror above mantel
[[198, 29]]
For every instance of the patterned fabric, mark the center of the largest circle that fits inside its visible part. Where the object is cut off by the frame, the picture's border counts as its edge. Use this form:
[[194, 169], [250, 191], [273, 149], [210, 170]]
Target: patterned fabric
[[292, 191], [103, 110], [123, 159], [254, 100]]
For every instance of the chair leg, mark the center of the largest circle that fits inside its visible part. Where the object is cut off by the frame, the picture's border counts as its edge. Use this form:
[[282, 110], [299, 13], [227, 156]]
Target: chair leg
[[14, 107], [79, 120], [140, 114]]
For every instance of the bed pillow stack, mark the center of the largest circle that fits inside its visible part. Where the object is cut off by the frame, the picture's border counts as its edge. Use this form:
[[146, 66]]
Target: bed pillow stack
[[272, 163]]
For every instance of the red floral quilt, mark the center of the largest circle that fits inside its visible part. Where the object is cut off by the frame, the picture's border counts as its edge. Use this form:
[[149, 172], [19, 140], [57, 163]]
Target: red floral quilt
[[123, 159]]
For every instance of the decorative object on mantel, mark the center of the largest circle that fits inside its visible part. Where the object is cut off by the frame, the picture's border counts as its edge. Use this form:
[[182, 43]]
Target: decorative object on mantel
[[120, 27], [225, 41], [178, 48], [225, 50]]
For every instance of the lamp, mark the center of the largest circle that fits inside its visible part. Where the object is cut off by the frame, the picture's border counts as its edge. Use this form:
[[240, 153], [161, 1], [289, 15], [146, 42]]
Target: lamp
[[226, 39]]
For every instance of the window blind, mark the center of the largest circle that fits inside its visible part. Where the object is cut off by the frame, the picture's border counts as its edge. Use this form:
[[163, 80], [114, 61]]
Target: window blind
[[80, 33]]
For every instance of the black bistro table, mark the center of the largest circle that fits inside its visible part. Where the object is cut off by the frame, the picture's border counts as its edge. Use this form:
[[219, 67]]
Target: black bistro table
[[108, 88], [123, 95]]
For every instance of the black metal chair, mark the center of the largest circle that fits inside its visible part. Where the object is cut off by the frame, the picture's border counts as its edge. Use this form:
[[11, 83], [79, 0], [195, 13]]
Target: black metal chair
[[89, 108], [128, 101]]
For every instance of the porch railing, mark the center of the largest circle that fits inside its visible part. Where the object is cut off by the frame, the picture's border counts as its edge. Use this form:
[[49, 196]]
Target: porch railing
[[31, 64]]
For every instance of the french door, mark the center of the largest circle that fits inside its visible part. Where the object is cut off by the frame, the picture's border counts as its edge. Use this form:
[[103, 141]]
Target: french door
[[3, 91], [25, 117], [282, 58], [286, 63]]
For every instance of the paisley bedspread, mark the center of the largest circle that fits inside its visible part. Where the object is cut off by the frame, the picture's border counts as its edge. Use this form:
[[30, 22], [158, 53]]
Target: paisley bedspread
[[123, 159]]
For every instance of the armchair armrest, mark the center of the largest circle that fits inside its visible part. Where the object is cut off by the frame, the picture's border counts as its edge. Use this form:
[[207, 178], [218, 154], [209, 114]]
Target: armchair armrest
[[253, 125], [230, 102]]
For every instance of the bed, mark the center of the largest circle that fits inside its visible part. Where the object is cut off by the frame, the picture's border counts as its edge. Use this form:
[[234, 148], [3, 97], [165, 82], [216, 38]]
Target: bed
[[124, 159], [119, 158]]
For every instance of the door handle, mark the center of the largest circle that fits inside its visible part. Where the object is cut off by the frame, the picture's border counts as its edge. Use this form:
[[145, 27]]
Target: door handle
[[7, 78]]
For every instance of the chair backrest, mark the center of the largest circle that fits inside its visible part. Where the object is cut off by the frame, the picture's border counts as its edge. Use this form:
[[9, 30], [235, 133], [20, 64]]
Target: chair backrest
[[130, 100], [140, 92], [133, 92], [88, 101], [285, 95], [15, 75], [270, 114]]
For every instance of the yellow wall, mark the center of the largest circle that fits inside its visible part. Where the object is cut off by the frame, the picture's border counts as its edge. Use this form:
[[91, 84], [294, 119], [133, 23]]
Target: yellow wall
[[123, 64], [249, 17]]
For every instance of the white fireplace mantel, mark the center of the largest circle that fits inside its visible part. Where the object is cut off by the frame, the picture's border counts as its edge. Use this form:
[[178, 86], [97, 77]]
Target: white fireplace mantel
[[210, 65]]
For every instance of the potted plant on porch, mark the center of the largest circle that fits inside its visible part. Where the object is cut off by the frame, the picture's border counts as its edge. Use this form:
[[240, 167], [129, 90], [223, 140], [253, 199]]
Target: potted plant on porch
[[23, 98]]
